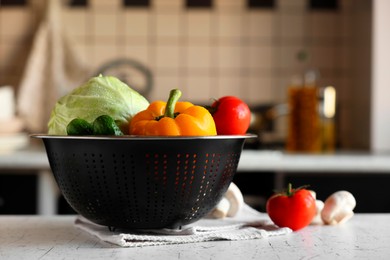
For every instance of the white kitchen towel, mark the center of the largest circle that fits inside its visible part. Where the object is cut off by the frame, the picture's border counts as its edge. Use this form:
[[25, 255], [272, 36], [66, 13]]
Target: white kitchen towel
[[248, 224]]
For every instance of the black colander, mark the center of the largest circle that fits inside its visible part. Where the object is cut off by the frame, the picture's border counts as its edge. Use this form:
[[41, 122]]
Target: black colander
[[143, 182]]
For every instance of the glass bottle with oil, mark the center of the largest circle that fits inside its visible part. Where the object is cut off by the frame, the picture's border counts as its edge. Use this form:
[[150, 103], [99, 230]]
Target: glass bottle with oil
[[304, 126]]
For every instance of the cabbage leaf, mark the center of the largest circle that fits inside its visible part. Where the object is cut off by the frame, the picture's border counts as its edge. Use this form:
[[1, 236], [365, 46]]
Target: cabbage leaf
[[102, 95]]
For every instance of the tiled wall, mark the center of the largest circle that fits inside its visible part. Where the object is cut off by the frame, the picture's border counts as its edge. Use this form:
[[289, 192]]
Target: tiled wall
[[227, 49]]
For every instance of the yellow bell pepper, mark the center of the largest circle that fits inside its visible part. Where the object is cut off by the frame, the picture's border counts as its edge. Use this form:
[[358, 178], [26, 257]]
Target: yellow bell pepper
[[173, 118]]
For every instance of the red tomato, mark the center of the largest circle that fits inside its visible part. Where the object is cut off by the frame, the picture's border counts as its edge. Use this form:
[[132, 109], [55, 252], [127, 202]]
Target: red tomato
[[294, 208], [231, 115]]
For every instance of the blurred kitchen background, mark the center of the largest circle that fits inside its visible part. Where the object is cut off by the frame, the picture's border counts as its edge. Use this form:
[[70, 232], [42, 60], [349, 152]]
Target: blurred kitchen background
[[211, 48], [208, 48]]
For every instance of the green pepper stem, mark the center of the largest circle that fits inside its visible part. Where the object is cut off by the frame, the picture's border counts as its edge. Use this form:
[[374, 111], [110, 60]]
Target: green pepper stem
[[174, 96]]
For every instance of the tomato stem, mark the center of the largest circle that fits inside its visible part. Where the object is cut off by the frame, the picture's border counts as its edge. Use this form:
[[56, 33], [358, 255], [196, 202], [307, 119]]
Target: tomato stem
[[289, 191], [174, 96]]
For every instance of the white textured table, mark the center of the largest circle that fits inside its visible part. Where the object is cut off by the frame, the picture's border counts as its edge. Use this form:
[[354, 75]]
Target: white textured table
[[366, 236]]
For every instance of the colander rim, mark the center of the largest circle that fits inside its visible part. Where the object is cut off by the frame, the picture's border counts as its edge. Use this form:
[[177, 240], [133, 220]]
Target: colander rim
[[142, 137]]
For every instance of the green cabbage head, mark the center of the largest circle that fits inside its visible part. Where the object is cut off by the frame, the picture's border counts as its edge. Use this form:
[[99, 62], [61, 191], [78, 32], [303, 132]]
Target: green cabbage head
[[102, 95]]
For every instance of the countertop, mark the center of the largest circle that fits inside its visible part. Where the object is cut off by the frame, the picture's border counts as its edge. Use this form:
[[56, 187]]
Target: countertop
[[365, 236], [338, 162]]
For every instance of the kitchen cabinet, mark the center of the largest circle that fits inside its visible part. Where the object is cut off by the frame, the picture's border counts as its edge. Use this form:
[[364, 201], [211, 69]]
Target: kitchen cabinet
[[370, 190], [32, 161], [366, 175], [18, 194], [25, 193]]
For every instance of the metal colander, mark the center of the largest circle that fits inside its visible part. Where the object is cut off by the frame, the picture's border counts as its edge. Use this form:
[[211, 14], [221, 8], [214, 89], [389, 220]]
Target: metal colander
[[143, 182]]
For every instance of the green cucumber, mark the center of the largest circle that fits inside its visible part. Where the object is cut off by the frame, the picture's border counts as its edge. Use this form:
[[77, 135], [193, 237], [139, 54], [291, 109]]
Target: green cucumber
[[79, 126], [105, 125]]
